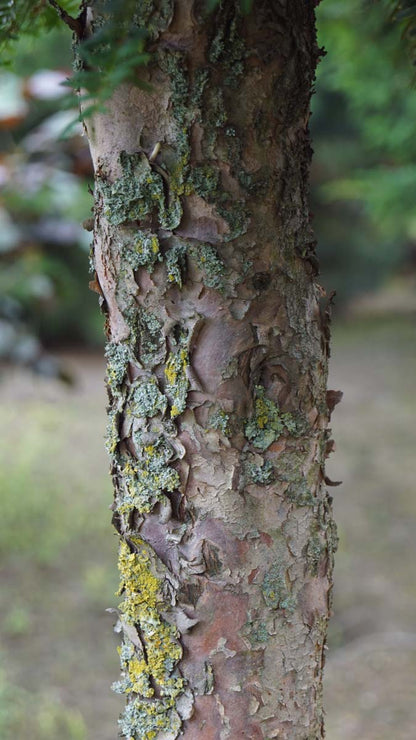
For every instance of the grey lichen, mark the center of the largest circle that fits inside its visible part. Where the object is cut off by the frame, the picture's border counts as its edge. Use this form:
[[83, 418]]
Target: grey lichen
[[118, 356], [173, 63], [148, 477], [151, 339], [315, 551], [154, 17], [146, 400], [143, 721], [175, 259], [258, 632], [220, 420], [205, 180], [205, 256], [138, 193], [200, 80], [143, 251], [275, 591], [227, 47], [299, 492], [112, 436], [207, 259], [237, 216], [260, 474], [267, 423], [177, 382]]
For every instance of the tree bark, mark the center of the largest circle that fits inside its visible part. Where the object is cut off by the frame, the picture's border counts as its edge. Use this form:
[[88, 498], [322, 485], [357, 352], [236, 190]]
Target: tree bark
[[217, 364]]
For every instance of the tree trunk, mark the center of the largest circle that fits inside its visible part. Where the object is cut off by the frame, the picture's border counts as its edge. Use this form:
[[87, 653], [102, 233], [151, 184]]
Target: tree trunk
[[217, 364]]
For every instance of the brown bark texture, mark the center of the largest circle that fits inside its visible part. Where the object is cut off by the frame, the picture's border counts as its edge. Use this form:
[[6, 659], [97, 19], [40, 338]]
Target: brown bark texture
[[217, 366]]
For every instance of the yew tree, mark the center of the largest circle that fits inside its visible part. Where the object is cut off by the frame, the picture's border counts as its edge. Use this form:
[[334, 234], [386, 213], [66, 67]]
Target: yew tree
[[217, 348]]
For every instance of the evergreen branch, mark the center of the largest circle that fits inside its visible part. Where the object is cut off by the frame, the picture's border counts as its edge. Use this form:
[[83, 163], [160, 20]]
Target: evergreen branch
[[404, 12]]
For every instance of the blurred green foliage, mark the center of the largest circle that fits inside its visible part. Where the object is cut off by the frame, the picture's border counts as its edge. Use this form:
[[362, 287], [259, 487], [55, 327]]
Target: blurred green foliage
[[363, 124], [23, 714], [42, 495], [57, 558], [29, 17], [45, 173]]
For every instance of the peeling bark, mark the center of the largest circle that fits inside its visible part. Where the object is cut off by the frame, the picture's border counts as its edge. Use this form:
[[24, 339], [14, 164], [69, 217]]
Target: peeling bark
[[217, 366]]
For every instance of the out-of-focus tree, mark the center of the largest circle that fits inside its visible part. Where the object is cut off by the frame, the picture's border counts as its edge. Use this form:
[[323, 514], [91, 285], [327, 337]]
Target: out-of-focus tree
[[364, 173], [45, 171]]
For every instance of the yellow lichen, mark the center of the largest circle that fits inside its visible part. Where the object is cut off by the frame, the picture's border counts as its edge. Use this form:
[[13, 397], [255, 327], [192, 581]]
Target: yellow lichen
[[143, 601], [262, 416], [138, 583], [177, 381], [170, 370], [138, 672]]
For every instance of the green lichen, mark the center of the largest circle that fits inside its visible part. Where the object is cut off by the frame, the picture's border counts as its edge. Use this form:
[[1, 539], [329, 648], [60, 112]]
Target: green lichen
[[237, 216], [154, 17], [315, 550], [175, 259], [234, 146], [258, 632], [205, 256], [274, 589], [118, 357], [132, 196], [267, 423], [143, 251], [147, 478], [174, 64], [260, 474], [138, 194], [199, 82], [177, 382], [218, 113], [247, 181], [150, 337], [146, 400], [208, 261], [112, 436], [228, 48], [220, 420], [205, 180], [299, 492], [299, 488], [213, 120]]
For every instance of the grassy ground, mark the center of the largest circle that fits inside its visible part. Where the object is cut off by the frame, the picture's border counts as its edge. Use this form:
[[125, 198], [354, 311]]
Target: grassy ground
[[58, 559], [57, 550]]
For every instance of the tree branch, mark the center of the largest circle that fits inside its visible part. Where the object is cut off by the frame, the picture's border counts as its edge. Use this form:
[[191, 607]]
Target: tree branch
[[75, 24]]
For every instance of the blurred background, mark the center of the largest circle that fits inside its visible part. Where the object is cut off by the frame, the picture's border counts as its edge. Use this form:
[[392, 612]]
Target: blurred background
[[58, 552]]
